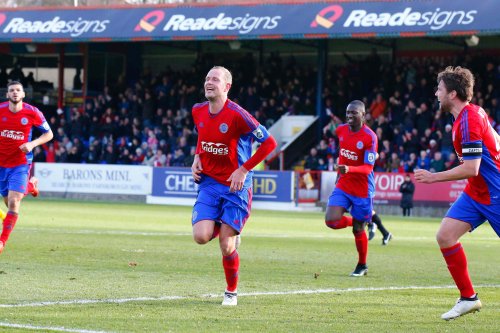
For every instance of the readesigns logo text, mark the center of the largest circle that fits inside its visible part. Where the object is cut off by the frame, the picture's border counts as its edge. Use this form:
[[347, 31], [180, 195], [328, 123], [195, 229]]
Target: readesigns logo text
[[150, 21], [215, 148], [327, 16], [54, 25], [351, 155], [14, 135]]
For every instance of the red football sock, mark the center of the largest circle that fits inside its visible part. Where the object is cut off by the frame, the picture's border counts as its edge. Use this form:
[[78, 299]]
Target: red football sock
[[216, 232], [231, 264], [457, 265], [345, 221], [8, 224], [361, 245]]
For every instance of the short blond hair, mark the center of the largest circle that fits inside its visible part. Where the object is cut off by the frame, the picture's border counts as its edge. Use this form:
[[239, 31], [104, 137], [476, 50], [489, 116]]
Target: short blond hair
[[227, 74]]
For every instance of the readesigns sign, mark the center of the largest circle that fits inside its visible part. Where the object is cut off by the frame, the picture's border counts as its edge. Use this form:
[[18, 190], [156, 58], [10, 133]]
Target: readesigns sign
[[379, 17], [17, 25], [219, 23]]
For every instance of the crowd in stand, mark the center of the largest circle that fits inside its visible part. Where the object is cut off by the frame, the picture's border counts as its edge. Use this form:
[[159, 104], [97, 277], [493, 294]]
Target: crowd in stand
[[149, 121]]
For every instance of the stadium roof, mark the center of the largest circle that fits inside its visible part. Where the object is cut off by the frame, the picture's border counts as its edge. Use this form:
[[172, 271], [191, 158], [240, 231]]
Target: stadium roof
[[296, 20]]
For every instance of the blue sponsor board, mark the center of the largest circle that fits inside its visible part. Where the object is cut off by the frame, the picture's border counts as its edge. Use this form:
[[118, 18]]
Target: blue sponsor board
[[273, 186], [173, 182], [299, 20]]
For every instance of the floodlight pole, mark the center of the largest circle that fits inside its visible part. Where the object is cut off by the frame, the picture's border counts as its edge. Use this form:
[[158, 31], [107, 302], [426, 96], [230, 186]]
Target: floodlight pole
[[320, 83], [60, 88]]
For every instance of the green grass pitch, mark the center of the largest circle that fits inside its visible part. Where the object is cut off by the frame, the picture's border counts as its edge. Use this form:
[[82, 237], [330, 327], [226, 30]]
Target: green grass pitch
[[99, 267]]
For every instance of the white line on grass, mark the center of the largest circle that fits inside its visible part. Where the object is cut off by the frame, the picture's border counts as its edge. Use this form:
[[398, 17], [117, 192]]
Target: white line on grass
[[255, 235], [257, 293], [48, 328]]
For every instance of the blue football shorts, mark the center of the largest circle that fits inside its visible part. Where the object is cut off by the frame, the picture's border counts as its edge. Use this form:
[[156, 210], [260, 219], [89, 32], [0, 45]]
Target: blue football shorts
[[14, 179], [360, 208], [468, 210], [215, 202]]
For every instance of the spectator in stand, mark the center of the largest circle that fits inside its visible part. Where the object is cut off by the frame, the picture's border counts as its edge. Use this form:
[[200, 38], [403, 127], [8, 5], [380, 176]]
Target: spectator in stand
[[73, 155], [424, 162], [378, 106], [381, 163], [323, 150], [50, 152], [124, 157], [437, 163], [138, 158], [423, 118], [451, 162], [312, 160], [331, 166], [322, 166], [178, 158], [411, 163], [39, 154], [394, 163], [109, 155], [447, 142], [433, 147], [90, 156]]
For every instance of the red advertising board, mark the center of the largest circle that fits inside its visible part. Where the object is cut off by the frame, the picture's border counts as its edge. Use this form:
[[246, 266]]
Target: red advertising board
[[438, 194]]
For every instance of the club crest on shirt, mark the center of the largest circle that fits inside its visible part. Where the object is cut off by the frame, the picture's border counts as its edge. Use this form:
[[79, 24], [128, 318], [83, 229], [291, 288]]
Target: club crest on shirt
[[223, 128], [341, 139], [24, 121], [201, 125], [359, 145], [4, 118]]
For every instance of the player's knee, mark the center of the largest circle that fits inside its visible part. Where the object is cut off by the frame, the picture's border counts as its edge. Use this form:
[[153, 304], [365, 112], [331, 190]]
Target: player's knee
[[201, 238], [444, 240], [14, 203], [335, 224], [357, 228]]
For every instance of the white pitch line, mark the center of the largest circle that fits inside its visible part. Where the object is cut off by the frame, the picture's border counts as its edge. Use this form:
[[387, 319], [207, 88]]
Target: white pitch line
[[92, 301], [257, 293], [48, 328], [256, 235]]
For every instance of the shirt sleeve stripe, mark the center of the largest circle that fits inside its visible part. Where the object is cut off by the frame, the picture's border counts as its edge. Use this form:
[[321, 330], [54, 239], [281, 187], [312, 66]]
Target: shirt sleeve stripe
[[244, 114], [373, 137], [464, 124]]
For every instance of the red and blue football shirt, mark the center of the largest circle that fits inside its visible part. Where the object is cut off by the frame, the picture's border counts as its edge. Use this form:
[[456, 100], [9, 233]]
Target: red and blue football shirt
[[225, 139], [473, 138], [357, 149], [15, 129]]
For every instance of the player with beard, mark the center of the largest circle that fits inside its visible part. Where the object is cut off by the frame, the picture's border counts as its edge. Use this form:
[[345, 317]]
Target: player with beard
[[17, 120], [478, 148], [356, 183], [222, 167]]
